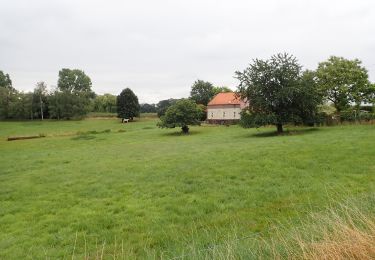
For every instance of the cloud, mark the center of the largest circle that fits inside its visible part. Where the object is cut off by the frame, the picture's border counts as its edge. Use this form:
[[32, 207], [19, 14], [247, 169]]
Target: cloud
[[159, 48]]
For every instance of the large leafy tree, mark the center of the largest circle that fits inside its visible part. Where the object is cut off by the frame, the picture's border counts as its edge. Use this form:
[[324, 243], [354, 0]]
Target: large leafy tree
[[183, 113], [127, 104], [277, 92], [74, 80], [5, 81], [7, 95], [73, 95], [202, 92], [344, 82]]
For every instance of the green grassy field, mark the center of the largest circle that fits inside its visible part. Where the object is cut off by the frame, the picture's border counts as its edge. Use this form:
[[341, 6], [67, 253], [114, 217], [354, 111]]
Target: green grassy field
[[154, 192]]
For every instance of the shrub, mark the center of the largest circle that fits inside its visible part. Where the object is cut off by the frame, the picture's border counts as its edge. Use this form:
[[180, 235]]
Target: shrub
[[183, 113]]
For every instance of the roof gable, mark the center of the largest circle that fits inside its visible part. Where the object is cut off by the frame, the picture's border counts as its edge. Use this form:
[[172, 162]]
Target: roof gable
[[227, 98]]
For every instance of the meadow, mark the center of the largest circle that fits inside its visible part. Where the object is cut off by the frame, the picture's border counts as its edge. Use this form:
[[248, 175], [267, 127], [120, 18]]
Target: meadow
[[155, 193]]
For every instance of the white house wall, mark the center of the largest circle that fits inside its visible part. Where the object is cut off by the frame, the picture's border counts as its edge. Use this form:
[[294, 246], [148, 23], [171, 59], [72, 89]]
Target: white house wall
[[224, 113]]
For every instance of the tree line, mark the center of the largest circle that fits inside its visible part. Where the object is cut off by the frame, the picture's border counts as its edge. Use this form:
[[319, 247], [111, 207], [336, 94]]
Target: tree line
[[73, 98], [70, 99], [278, 92]]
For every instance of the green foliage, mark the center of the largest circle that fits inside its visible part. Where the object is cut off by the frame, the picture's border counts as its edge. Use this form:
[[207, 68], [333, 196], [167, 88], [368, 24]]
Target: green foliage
[[5, 81], [183, 113], [40, 101], [73, 96], [105, 103], [127, 104], [67, 105], [15, 105], [223, 89], [344, 81], [6, 94], [163, 105], [307, 99], [353, 115], [203, 112], [148, 108], [327, 109], [73, 80], [278, 92], [71, 99], [21, 106], [202, 92]]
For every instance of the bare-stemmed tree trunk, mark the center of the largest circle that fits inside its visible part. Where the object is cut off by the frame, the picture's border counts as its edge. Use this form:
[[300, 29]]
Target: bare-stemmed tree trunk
[[279, 128], [41, 107], [40, 91]]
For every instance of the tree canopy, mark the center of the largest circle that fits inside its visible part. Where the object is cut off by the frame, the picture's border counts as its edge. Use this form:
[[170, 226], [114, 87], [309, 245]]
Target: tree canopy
[[277, 92], [202, 92], [74, 80], [148, 108], [5, 81], [72, 97], [163, 105], [183, 113], [105, 103], [343, 82], [223, 89], [127, 104], [6, 95]]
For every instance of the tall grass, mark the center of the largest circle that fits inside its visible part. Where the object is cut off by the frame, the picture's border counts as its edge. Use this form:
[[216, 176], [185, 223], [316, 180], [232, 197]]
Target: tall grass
[[346, 233], [343, 231], [164, 195]]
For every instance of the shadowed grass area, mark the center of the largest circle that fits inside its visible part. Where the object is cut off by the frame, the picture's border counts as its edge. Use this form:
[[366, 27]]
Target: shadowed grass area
[[286, 132], [156, 190]]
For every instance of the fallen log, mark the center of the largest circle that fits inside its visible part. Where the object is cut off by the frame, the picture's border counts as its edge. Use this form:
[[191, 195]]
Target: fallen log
[[14, 138]]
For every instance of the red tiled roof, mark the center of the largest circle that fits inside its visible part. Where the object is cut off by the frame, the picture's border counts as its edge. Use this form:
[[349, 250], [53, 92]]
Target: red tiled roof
[[228, 98]]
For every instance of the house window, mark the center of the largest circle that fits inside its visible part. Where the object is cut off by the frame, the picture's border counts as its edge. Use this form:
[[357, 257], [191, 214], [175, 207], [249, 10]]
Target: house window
[[223, 114], [234, 114], [212, 114]]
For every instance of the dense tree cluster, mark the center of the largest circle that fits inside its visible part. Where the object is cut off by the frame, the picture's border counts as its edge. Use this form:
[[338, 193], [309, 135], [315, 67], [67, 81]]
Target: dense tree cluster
[[279, 92], [20, 105], [148, 108], [71, 98], [106, 103]]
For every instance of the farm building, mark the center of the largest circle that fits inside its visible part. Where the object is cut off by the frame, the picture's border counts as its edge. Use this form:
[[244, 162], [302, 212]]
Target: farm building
[[224, 108]]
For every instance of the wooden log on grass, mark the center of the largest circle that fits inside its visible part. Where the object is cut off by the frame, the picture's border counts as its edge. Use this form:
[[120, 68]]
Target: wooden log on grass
[[14, 138]]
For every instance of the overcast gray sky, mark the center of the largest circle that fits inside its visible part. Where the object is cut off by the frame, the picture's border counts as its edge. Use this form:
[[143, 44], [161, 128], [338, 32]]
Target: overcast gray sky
[[159, 48]]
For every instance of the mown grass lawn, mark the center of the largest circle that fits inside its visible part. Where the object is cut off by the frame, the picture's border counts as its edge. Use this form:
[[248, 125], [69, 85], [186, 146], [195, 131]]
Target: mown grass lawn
[[153, 190]]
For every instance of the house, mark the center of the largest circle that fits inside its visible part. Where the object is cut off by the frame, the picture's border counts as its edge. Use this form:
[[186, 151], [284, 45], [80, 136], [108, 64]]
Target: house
[[225, 108]]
